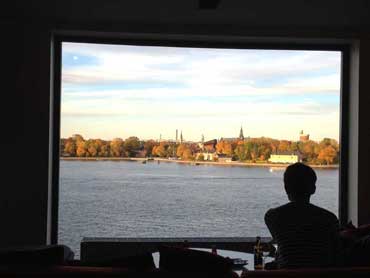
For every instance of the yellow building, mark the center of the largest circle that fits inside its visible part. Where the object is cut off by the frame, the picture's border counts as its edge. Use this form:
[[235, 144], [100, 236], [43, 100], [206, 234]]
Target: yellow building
[[285, 158]]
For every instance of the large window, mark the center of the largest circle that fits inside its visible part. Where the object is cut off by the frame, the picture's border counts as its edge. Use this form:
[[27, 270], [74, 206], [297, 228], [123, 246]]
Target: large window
[[163, 141]]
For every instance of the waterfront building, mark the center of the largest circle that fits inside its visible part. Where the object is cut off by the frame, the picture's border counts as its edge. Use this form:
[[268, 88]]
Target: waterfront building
[[207, 156], [285, 157], [208, 146]]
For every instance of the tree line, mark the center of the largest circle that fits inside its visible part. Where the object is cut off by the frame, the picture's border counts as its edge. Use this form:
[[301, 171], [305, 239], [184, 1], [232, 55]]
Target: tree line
[[260, 149], [248, 150]]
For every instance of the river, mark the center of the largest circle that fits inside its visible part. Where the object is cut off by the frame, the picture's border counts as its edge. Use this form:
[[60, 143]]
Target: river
[[131, 199]]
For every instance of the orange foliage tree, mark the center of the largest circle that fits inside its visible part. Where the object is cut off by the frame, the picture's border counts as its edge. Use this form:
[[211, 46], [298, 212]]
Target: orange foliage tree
[[327, 154]]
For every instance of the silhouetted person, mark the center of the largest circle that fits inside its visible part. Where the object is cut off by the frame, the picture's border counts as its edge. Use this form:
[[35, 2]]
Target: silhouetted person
[[307, 235]]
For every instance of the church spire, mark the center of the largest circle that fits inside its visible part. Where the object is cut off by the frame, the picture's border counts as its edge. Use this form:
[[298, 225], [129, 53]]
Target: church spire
[[241, 135]]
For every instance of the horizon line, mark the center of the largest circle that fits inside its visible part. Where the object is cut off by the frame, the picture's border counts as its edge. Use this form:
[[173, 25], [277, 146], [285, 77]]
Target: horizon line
[[193, 141]]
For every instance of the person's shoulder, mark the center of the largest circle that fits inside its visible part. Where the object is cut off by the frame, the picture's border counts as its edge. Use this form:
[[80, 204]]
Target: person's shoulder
[[282, 208], [274, 212], [324, 213]]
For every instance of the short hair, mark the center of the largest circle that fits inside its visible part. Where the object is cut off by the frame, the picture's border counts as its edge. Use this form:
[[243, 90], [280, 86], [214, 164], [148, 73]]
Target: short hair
[[299, 179]]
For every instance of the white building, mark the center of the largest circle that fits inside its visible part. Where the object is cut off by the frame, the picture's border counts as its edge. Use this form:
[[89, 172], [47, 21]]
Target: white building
[[207, 156]]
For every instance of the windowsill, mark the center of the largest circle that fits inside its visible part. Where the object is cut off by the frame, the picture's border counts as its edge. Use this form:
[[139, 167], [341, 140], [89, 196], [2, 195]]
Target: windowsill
[[100, 247]]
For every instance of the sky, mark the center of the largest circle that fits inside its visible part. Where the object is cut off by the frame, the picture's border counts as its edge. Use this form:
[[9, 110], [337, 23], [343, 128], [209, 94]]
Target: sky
[[111, 91]]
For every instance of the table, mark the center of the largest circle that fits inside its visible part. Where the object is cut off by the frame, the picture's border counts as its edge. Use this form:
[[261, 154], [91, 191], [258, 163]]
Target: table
[[227, 253]]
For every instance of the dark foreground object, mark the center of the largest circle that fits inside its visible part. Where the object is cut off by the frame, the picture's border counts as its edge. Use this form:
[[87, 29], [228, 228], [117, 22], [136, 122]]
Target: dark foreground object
[[55, 261], [83, 271]]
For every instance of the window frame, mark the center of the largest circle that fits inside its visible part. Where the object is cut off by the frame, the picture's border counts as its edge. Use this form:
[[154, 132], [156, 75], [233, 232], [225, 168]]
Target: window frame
[[209, 41]]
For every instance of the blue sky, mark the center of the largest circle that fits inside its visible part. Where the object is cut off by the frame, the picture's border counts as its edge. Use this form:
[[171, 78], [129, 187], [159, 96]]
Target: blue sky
[[113, 91]]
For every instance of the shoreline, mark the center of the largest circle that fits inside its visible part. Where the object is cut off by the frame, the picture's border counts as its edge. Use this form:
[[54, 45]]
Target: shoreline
[[165, 160]]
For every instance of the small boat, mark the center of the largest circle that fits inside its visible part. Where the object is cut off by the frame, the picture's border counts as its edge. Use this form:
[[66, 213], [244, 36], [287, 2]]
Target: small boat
[[276, 169], [144, 161]]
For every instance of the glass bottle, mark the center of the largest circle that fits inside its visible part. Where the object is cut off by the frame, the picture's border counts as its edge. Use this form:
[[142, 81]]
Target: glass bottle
[[214, 250], [257, 250]]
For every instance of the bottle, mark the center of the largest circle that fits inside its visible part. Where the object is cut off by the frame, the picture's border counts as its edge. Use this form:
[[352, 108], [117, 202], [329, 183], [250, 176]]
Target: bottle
[[214, 250], [258, 260]]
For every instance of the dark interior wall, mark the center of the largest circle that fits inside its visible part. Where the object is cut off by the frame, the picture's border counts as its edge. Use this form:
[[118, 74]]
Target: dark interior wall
[[23, 196], [252, 13], [26, 32], [364, 134]]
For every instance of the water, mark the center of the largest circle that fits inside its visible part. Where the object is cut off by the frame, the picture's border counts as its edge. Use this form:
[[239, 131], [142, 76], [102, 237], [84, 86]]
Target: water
[[131, 199]]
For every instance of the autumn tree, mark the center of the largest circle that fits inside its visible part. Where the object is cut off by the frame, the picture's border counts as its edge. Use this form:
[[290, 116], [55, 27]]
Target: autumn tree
[[184, 151], [228, 149], [81, 149], [180, 150], [78, 138], [284, 146], [200, 157], [70, 147], [148, 147], [241, 152], [62, 144], [294, 146], [171, 150], [131, 145], [326, 151], [220, 146], [225, 147], [160, 150], [92, 148], [327, 154], [187, 154], [116, 147], [264, 151], [309, 151], [274, 145], [254, 151], [104, 150]]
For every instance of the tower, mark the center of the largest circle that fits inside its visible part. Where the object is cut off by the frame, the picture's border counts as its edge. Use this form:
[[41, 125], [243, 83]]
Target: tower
[[303, 137], [177, 135], [202, 138], [241, 135], [181, 138]]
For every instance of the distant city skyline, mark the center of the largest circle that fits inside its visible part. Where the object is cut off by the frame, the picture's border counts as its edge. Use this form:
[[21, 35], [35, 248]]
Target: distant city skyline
[[113, 91], [181, 137]]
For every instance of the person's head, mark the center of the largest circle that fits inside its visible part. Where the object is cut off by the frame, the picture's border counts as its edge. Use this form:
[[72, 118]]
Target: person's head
[[299, 182]]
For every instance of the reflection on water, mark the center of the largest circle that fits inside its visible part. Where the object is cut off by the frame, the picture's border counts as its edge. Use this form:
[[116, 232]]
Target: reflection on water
[[132, 199]]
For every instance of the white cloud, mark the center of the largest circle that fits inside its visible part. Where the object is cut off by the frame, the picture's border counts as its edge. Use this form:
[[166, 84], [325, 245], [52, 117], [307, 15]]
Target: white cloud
[[200, 75], [194, 108], [193, 66]]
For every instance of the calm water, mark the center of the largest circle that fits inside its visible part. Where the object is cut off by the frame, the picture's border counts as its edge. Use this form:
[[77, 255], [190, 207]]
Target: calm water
[[131, 199]]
